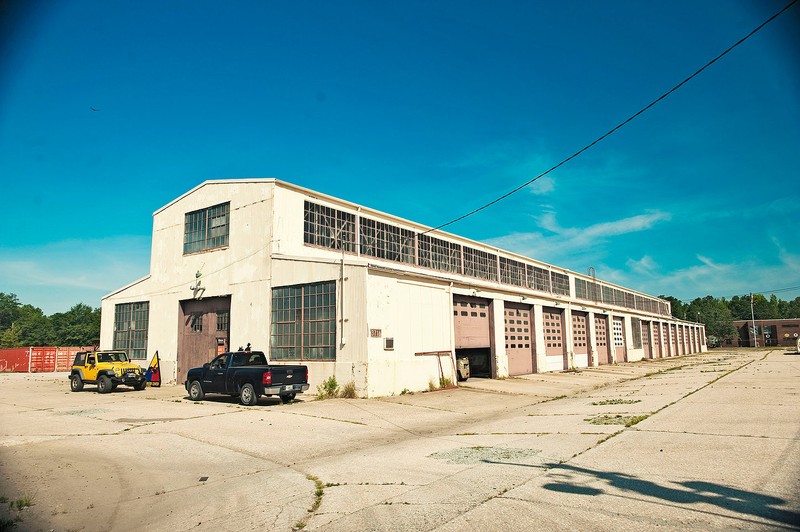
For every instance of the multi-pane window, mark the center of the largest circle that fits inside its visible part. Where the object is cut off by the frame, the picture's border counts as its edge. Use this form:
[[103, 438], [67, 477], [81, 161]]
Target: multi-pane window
[[439, 254], [196, 322], [480, 264], [329, 228], [538, 278], [206, 228], [512, 272], [581, 289], [304, 322], [619, 298], [222, 321], [130, 328], [636, 331], [386, 241], [560, 283]]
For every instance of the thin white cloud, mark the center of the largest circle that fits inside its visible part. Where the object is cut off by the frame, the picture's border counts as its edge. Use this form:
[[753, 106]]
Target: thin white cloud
[[56, 276], [709, 277], [644, 266], [543, 185], [560, 245], [512, 163], [710, 263]]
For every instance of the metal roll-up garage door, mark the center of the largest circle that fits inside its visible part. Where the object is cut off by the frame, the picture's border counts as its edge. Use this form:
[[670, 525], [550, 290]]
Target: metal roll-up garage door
[[471, 324], [657, 350], [601, 339], [519, 339], [666, 340], [619, 338], [580, 333], [648, 346], [553, 320], [673, 339]]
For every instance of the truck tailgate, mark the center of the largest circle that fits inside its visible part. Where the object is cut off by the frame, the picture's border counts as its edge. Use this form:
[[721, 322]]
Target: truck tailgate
[[288, 374]]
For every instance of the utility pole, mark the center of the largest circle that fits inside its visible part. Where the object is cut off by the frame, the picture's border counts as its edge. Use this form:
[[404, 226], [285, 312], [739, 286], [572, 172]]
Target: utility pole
[[753, 319]]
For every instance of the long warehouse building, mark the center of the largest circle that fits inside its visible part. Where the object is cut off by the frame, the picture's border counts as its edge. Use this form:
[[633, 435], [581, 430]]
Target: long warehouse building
[[370, 298]]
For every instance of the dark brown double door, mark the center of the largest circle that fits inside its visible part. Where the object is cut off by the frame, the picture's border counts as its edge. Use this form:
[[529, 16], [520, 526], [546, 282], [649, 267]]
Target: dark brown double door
[[203, 331]]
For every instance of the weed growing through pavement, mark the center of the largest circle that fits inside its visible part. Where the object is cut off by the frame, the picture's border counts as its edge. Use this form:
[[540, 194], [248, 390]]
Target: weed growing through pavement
[[601, 440], [348, 391], [318, 493], [23, 502], [329, 388], [617, 402], [618, 419]]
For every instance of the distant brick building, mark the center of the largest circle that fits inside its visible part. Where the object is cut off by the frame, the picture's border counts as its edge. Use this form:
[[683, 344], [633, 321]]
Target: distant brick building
[[767, 333]]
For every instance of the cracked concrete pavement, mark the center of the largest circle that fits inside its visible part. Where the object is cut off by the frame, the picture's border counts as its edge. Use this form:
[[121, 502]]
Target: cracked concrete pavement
[[713, 443]]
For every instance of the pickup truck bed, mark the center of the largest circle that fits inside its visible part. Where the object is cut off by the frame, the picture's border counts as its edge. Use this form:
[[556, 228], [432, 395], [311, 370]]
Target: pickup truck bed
[[247, 375]]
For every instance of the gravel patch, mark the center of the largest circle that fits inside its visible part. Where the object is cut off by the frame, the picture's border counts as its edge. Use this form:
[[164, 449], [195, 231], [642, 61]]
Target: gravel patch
[[475, 455]]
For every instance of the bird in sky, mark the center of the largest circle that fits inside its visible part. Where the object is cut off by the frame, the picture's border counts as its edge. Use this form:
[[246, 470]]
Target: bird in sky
[[93, 109]]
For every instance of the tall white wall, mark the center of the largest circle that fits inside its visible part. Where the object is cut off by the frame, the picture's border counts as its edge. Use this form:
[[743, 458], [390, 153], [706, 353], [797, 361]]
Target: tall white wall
[[241, 270], [418, 317]]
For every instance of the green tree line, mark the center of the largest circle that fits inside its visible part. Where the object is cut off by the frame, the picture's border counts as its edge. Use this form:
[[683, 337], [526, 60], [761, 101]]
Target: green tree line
[[718, 314], [23, 325]]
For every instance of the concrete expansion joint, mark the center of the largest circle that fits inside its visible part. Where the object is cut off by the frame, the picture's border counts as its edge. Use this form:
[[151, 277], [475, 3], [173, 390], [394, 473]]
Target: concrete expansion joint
[[718, 435]]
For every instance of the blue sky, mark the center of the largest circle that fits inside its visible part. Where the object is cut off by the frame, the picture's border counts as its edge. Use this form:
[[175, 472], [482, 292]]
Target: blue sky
[[425, 110]]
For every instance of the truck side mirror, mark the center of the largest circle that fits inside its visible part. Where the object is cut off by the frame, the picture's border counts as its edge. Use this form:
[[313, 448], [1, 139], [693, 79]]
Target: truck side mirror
[[206, 365]]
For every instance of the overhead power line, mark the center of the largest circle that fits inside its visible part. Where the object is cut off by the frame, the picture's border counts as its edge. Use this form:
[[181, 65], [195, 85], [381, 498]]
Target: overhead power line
[[621, 124]]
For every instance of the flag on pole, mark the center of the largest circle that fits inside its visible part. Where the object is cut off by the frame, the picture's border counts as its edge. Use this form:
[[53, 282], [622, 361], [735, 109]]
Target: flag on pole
[[153, 374]]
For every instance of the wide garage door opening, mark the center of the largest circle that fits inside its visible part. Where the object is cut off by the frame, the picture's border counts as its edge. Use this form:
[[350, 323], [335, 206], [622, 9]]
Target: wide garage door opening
[[480, 361], [471, 322]]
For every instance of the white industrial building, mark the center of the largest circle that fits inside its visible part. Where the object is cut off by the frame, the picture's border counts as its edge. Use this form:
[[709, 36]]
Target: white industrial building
[[373, 299]]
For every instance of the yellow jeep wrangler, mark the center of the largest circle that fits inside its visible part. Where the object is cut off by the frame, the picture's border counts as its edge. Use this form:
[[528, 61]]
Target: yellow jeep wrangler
[[107, 369]]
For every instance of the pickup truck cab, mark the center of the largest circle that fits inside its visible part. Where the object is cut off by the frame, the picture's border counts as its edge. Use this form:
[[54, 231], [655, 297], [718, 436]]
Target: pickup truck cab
[[248, 375]]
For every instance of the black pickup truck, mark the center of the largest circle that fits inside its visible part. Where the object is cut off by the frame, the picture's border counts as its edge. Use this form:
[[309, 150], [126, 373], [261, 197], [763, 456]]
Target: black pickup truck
[[246, 374]]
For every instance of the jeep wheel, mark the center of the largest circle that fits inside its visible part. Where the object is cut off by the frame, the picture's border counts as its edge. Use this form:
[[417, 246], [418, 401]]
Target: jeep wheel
[[103, 384], [196, 391], [76, 383], [141, 386], [288, 398], [248, 395]]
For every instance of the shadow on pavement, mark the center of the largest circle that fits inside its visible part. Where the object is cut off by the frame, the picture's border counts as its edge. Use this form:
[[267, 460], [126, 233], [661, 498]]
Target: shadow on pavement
[[691, 492]]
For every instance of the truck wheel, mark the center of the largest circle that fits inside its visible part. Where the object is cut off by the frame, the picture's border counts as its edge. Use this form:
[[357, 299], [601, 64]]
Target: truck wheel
[[103, 384], [288, 398], [196, 392], [248, 395], [141, 386], [76, 383]]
